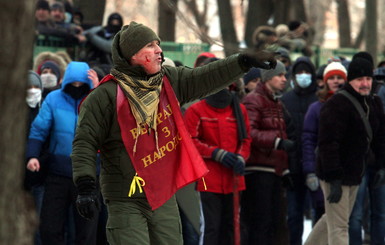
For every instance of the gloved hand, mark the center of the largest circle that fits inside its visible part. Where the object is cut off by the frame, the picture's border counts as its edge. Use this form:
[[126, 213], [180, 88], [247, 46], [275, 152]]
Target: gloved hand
[[287, 181], [229, 160], [335, 191], [87, 202], [379, 178], [312, 182], [260, 59], [286, 145]]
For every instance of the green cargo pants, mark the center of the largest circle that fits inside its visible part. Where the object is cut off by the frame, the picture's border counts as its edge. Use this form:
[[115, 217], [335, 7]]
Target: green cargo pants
[[135, 223]]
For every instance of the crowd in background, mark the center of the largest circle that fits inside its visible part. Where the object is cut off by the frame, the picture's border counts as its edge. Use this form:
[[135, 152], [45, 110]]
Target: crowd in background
[[267, 129]]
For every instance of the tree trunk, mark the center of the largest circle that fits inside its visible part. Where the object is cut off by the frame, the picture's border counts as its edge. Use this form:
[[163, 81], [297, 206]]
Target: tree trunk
[[258, 13], [344, 23], [200, 18], [297, 11], [17, 214], [360, 36], [166, 19], [281, 15], [317, 14], [371, 28], [226, 20], [92, 10]]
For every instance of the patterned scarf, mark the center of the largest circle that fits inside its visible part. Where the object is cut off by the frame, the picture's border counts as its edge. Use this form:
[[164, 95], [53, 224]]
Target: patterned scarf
[[143, 97]]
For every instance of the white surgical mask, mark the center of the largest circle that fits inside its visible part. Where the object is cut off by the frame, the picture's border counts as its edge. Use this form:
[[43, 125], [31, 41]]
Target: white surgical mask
[[303, 80], [49, 80], [33, 97]]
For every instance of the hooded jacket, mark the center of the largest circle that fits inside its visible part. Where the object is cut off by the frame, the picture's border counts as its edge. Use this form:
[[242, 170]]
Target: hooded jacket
[[297, 101], [56, 122]]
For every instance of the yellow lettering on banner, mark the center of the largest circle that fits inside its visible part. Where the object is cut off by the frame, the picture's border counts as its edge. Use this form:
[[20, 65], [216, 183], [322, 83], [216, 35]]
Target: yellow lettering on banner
[[143, 130], [166, 131], [147, 160], [159, 118], [157, 155]]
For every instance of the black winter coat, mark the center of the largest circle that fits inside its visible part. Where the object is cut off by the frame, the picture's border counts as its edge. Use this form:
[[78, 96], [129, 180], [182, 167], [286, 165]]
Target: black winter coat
[[343, 143]]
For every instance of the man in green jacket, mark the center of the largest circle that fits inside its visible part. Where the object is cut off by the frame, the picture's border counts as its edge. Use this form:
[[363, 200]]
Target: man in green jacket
[[133, 119]]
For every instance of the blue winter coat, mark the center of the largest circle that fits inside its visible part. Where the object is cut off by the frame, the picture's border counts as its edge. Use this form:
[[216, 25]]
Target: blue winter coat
[[57, 121]]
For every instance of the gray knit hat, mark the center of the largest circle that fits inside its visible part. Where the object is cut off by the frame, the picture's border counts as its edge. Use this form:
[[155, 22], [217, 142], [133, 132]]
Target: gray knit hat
[[34, 80], [134, 37], [269, 74]]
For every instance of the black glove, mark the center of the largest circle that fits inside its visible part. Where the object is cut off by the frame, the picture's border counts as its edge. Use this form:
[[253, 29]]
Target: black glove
[[335, 191], [260, 59], [87, 202], [288, 181], [229, 160], [379, 178], [286, 145]]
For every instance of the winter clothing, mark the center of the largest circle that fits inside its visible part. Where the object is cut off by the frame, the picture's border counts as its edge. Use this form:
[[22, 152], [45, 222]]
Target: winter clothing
[[267, 124], [342, 155], [213, 128], [296, 102], [56, 123], [334, 68], [359, 67], [135, 36], [269, 74], [57, 119], [252, 74]]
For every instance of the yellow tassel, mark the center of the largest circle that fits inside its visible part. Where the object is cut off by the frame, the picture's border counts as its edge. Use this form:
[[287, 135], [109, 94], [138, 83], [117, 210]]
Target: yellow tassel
[[136, 181], [204, 183]]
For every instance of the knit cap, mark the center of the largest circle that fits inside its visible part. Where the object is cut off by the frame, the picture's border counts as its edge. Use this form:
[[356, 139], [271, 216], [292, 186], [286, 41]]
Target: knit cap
[[42, 4], [54, 67], [334, 68], [134, 37], [252, 74], [269, 74], [34, 80], [359, 67]]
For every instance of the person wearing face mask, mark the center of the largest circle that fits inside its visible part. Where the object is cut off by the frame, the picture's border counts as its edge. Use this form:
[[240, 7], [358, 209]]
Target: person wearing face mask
[[297, 102], [56, 124], [50, 76], [100, 40], [33, 182]]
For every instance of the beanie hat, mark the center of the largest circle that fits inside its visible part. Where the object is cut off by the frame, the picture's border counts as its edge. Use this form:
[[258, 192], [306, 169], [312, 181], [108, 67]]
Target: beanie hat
[[134, 37], [334, 68], [202, 57], [359, 67], [252, 74], [59, 6], [54, 67], [269, 74], [34, 80], [42, 4], [364, 55], [379, 73]]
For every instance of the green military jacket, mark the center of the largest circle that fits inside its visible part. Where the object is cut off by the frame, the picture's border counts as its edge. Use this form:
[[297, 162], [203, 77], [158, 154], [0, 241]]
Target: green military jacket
[[98, 128]]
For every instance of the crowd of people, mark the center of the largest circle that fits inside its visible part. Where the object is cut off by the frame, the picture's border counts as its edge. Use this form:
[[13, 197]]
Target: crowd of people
[[126, 146]]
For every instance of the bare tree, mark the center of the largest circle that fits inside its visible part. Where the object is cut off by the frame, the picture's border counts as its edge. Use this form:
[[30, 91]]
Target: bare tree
[[92, 10], [166, 19], [200, 18], [344, 23], [226, 20], [18, 218], [371, 28], [258, 13]]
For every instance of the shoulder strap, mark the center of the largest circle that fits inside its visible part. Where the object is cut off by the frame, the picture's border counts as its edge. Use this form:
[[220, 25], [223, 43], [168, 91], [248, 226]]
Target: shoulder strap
[[358, 106]]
